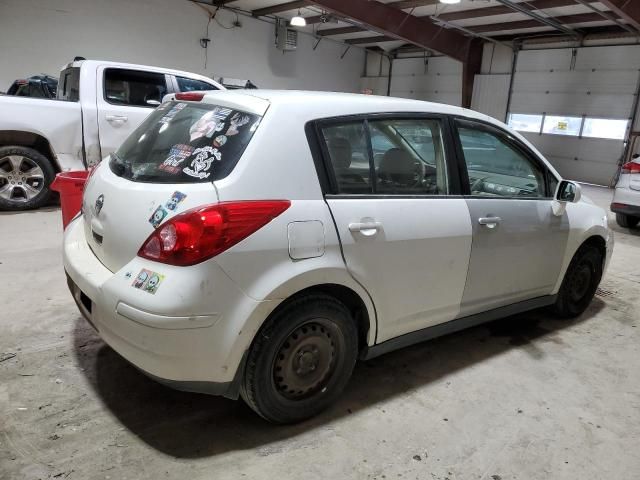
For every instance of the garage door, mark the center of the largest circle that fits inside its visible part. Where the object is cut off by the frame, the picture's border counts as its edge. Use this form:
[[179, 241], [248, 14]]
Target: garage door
[[575, 106]]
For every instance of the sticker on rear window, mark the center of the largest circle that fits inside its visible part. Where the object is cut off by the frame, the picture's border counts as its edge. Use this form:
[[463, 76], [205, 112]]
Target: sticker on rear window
[[158, 215], [173, 112], [148, 281], [209, 123], [176, 198], [236, 122], [201, 164], [177, 155], [219, 141]]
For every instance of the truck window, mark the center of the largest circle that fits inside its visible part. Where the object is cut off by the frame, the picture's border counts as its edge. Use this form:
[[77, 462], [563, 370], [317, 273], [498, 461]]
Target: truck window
[[69, 85], [191, 85], [133, 87]]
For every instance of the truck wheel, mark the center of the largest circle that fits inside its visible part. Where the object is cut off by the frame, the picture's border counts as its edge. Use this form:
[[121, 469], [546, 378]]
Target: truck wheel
[[580, 282], [25, 176], [626, 221], [300, 360]]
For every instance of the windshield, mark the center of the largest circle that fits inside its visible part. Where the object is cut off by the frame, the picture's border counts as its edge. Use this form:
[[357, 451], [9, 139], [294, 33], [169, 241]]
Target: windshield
[[185, 143]]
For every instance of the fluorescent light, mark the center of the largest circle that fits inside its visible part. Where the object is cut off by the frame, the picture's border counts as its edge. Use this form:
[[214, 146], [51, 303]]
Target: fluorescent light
[[449, 2], [298, 21]]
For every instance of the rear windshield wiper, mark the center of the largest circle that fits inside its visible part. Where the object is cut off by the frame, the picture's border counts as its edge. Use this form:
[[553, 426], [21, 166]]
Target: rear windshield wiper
[[118, 166]]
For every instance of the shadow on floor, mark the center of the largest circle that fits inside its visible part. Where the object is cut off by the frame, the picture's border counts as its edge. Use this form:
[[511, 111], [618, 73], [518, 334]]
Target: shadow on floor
[[188, 425]]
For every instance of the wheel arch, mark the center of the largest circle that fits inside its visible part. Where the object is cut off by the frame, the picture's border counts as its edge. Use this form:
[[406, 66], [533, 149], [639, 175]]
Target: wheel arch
[[354, 302], [19, 138]]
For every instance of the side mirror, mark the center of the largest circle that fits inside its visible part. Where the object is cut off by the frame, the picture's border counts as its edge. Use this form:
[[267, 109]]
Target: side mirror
[[154, 103], [635, 155], [568, 192]]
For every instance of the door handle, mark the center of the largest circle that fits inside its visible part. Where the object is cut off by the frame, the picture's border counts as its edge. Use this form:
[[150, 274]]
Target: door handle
[[489, 222], [116, 118], [366, 228]]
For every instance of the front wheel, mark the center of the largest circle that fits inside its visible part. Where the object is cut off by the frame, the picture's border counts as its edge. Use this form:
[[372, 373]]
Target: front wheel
[[301, 359], [580, 282], [25, 176], [627, 221]]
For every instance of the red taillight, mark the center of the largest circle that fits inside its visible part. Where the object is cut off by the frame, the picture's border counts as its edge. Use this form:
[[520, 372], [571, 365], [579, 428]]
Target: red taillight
[[631, 167], [201, 233], [190, 96]]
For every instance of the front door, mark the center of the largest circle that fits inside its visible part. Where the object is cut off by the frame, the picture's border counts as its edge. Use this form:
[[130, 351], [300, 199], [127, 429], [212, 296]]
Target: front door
[[125, 98], [518, 243], [404, 237]]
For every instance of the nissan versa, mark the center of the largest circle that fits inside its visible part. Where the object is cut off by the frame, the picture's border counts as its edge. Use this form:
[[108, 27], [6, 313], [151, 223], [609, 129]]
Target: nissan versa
[[257, 243]]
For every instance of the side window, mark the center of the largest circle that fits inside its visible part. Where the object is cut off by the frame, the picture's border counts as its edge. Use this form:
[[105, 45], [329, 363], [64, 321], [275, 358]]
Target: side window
[[496, 167], [191, 85], [409, 157], [133, 87], [70, 88], [346, 145]]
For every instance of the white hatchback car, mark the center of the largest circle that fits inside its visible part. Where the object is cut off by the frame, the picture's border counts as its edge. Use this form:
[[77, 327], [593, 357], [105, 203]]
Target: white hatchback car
[[257, 243], [626, 199]]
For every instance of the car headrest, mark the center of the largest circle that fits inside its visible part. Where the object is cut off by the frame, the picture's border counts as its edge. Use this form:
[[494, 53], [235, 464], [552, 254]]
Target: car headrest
[[397, 165], [340, 152]]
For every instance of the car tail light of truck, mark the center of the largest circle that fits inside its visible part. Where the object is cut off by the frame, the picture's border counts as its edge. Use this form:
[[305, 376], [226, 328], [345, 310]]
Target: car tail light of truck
[[204, 232], [631, 167]]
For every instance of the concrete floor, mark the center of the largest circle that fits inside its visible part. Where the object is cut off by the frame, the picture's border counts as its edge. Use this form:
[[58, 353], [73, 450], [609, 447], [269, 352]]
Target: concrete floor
[[529, 397]]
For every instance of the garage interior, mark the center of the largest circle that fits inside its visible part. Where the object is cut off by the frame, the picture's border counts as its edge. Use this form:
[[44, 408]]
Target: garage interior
[[526, 397]]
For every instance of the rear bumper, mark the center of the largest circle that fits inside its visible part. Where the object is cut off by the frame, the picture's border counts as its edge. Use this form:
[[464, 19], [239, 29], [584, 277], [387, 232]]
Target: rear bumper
[[183, 335], [625, 209]]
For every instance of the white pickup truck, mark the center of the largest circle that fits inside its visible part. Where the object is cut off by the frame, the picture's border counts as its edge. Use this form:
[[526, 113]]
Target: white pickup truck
[[98, 105]]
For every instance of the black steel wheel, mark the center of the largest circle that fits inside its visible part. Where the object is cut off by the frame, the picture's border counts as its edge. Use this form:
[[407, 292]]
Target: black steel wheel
[[580, 282], [301, 359]]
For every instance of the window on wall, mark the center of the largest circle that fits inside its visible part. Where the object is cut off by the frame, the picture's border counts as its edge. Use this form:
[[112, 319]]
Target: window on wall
[[605, 128], [561, 125], [525, 123]]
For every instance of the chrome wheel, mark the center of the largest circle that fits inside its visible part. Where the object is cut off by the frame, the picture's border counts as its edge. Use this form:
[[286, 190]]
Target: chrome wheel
[[305, 362], [21, 179]]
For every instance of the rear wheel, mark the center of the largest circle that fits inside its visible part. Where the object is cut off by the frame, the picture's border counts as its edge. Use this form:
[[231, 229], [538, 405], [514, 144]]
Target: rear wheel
[[627, 221], [301, 360], [580, 282], [25, 176]]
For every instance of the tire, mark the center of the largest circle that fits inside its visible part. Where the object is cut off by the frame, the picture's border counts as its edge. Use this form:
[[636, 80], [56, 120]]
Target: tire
[[301, 360], [580, 283], [25, 177], [627, 221]]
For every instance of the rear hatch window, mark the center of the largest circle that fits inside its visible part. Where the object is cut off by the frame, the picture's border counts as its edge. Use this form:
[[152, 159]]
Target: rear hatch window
[[184, 142]]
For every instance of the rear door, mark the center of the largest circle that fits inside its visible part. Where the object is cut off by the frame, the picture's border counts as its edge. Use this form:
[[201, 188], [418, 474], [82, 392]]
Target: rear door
[[518, 243], [405, 234], [125, 97]]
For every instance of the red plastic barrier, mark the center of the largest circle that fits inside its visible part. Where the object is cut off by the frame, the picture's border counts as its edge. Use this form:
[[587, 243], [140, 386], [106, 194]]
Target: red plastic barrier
[[70, 186]]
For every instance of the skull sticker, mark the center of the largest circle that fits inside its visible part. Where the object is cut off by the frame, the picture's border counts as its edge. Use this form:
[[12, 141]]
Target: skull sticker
[[148, 281], [201, 164]]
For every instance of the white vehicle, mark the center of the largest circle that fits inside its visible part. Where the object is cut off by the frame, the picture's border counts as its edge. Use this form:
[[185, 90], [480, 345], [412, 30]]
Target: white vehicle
[[626, 199], [98, 105], [258, 243]]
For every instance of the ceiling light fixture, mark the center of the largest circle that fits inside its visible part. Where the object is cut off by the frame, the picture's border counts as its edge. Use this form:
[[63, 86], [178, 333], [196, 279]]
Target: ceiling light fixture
[[298, 21], [450, 2]]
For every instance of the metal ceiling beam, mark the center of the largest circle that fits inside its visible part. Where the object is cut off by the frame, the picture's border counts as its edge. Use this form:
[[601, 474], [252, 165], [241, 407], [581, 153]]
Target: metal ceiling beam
[[609, 16], [503, 9], [404, 4], [281, 7], [564, 20], [339, 31], [627, 9], [375, 39], [395, 23], [545, 20]]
